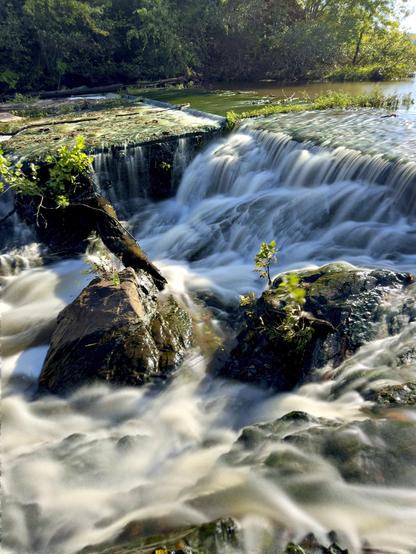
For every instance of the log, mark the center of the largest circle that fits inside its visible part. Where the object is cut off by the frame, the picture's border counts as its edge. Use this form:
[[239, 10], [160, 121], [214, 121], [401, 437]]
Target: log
[[119, 241]]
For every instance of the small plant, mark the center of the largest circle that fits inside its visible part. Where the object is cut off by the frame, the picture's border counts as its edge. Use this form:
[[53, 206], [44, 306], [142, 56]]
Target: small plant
[[66, 167], [106, 266], [295, 326], [247, 299], [232, 120], [290, 287], [165, 166], [264, 258], [13, 177]]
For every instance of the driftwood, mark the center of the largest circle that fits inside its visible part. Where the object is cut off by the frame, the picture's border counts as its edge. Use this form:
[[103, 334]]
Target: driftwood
[[79, 91], [66, 230], [162, 82], [84, 90], [119, 241]]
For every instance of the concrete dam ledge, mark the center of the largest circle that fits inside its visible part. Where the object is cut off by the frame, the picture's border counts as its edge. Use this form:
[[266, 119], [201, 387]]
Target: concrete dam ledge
[[134, 123]]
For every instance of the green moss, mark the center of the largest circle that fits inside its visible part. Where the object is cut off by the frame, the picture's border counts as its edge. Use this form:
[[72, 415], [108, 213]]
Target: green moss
[[329, 100], [132, 124]]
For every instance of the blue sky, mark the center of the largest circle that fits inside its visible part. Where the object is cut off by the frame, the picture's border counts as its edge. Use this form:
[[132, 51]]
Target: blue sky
[[410, 22]]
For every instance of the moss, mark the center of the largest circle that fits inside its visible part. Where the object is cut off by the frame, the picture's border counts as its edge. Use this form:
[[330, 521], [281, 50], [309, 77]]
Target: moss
[[329, 100], [132, 124]]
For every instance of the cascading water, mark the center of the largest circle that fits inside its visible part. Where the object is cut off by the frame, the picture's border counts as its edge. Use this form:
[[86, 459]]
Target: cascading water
[[77, 470]]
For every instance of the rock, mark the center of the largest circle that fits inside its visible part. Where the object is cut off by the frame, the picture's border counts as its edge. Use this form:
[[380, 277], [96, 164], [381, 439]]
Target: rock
[[400, 395], [380, 451], [344, 309], [222, 536], [217, 537], [311, 545], [66, 231], [116, 332]]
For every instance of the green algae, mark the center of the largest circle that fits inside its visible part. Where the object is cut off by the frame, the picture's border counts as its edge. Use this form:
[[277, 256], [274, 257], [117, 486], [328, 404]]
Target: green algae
[[117, 127]]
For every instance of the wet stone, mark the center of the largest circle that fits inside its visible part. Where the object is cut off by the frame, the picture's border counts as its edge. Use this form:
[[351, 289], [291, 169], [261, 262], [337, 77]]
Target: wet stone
[[119, 333], [345, 308]]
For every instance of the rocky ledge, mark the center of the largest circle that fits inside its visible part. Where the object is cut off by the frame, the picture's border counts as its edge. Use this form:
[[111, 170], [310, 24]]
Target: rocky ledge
[[344, 308], [120, 331]]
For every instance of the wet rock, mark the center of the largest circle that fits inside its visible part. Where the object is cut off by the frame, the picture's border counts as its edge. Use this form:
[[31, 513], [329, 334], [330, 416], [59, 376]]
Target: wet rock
[[121, 333], [344, 309], [217, 537], [378, 451], [399, 395], [66, 231], [311, 545]]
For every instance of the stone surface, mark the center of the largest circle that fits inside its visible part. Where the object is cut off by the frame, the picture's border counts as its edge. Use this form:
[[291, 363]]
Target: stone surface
[[400, 395], [379, 451], [121, 333], [218, 537], [344, 310], [123, 124]]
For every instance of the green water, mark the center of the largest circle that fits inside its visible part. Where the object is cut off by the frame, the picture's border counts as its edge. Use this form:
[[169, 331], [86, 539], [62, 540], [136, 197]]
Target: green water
[[242, 96]]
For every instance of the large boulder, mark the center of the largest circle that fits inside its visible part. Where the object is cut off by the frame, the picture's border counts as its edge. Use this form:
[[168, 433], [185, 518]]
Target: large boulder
[[344, 308], [118, 331]]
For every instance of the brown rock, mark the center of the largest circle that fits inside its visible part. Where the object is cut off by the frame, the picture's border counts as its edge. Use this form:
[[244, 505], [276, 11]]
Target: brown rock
[[116, 332]]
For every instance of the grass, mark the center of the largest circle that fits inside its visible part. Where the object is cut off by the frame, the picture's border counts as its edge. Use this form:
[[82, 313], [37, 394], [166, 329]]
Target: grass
[[327, 101]]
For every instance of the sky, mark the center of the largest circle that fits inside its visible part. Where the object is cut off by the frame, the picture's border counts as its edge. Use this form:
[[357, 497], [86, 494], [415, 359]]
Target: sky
[[410, 22]]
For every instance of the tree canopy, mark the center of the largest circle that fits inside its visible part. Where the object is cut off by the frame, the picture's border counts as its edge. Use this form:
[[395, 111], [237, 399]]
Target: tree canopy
[[48, 44]]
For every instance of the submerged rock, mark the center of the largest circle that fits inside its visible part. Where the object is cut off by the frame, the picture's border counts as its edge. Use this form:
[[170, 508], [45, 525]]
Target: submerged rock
[[217, 537], [222, 536], [343, 310], [399, 395], [380, 451], [119, 332]]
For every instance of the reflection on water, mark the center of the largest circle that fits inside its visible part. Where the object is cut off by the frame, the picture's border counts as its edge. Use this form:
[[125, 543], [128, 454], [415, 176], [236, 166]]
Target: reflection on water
[[223, 97]]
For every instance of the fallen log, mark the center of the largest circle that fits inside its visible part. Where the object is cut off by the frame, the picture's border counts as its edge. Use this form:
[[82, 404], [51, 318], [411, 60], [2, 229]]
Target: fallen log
[[66, 231]]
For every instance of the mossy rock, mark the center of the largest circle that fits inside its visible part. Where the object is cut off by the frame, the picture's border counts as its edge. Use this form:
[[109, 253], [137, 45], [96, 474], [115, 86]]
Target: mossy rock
[[217, 537], [118, 332], [344, 309], [103, 129], [399, 395]]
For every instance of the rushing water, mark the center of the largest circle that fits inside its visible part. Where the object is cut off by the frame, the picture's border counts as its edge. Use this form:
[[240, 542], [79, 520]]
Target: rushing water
[[77, 470]]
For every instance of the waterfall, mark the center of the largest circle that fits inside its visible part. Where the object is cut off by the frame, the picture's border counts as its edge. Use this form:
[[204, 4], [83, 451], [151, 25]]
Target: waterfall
[[318, 204], [122, 175], [78, 470], [129, 175]]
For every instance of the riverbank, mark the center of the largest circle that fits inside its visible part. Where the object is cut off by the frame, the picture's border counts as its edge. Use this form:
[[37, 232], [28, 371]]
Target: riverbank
[[220, 98]]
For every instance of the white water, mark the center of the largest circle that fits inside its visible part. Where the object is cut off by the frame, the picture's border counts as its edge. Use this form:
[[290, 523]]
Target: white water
[[77, 470]]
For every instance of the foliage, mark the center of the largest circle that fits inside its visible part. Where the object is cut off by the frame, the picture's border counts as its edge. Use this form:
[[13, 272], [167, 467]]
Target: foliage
[[290, 288], [331, 99], [294, 327], [264, 258], [232, 119], [13, 177], [165, 166], [66, 169], [105, 265], [64, 43]]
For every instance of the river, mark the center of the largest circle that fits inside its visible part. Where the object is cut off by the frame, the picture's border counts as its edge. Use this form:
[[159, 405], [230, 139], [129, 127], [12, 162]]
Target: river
[[223, 97], [78, 469]]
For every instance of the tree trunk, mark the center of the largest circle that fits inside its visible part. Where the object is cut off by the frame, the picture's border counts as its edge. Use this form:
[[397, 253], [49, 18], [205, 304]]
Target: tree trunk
[[358, 47]]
